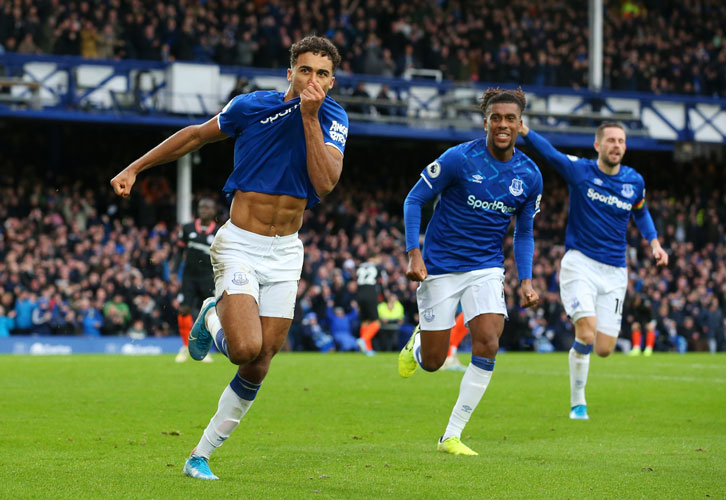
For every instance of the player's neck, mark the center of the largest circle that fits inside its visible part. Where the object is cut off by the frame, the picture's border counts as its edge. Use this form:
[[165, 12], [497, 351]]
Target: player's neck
[[503, 155], [608, 170], [289, 94]]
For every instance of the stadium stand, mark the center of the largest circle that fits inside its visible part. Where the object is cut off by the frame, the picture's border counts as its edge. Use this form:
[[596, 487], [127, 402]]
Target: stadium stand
[[75, 260], [658, 46]]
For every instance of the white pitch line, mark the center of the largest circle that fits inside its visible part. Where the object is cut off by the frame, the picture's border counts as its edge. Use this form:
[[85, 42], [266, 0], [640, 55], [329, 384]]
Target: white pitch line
[[670, 378]]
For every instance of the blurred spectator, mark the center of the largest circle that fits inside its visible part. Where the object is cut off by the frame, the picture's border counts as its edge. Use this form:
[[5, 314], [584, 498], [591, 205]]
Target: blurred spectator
[[7, 322], [24, 306], [360, 93], [90, 318], [342, 326], [391, 316], [384, 94], [661, 49], [116, 315], [313, 336], [101, 248]]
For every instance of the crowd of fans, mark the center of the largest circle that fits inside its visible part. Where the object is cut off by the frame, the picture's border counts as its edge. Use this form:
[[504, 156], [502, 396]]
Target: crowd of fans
[[654, 46], [80, 261]]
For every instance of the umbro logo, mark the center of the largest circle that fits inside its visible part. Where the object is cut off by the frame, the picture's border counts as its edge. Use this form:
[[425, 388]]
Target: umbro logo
[[477, 178], [597, 181]]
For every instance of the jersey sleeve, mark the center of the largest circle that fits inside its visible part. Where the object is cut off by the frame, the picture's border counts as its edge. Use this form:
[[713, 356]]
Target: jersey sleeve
[[234, 117], [642, 216], [523, 229], [564, 164], [435, 178], [334, 124]]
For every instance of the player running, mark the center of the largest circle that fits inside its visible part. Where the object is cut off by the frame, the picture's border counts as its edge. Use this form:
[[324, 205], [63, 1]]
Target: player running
[[480, 186], [288, 152], [195, 239], [593, 277]]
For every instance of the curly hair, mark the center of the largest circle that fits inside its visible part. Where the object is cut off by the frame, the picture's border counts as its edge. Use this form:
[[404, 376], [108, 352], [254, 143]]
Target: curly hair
[[318, 46], [492, 96]]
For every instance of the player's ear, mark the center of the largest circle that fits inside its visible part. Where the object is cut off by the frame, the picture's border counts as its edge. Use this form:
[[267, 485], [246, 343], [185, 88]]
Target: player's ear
[[289, 74], [596, 145], [332, 82]]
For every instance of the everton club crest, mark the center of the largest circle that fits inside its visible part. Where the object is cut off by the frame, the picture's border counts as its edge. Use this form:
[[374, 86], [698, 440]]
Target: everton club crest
[[516, 187], [628, 190]]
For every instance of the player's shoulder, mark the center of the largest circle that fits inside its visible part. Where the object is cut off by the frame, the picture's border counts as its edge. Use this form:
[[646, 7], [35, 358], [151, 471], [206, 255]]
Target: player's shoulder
[[629, 174], [334, 110], [332, 104], [464, 149], [259, 99], [525, 164]]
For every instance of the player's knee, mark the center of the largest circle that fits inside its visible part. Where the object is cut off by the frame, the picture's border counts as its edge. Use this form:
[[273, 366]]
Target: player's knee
[[602, 351], [432, 361], [486, 347], [242, 353]]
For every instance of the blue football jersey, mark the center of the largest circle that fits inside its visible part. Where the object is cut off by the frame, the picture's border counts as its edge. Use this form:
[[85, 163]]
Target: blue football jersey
[[269, 150], [600, 204], [478, 196]]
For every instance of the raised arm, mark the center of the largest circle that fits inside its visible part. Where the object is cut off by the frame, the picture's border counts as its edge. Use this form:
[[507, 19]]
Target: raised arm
[[561, 162], [325, 163], [182, 142]]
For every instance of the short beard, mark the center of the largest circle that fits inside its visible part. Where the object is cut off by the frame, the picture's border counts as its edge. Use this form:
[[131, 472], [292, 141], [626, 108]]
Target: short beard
[[501, 149], [608, 163]]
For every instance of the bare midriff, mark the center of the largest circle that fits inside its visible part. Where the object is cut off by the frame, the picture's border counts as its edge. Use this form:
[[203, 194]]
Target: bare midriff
[[267, 214]]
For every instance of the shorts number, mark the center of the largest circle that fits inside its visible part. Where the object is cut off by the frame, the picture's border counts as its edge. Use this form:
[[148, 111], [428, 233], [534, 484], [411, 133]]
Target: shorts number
[[619, 307]]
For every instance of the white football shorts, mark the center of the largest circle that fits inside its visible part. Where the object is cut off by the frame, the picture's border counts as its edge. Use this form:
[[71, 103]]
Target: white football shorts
[[266, 267], [591, 288], [480, 292]]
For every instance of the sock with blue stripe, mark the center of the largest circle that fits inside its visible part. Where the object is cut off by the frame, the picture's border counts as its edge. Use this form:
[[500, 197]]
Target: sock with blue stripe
[[233, 404], [579, 359], [473, 384], [220, 341]]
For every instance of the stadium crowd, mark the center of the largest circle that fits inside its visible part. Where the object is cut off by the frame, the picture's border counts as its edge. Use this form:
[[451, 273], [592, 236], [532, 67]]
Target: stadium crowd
[[75, 260], [653, 46]]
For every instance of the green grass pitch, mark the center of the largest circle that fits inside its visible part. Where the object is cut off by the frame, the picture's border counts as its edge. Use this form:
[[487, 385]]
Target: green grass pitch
[[347, 427]]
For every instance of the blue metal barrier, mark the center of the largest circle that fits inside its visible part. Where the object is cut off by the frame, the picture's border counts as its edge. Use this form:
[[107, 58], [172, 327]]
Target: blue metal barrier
[[72, 88]]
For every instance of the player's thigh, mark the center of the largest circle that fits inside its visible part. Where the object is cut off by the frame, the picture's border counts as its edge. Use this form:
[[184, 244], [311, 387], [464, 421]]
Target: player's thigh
[[437, 299], [274, 333], [239, 315], [438, 317], [484, 295], [578, 286], [609, 305], [277, 299], [435, 343]]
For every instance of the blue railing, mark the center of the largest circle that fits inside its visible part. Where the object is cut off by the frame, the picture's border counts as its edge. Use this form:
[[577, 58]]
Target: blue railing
[[175, 94]]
